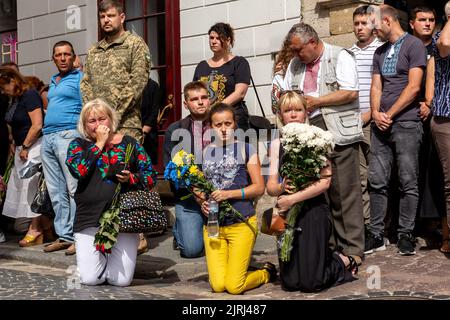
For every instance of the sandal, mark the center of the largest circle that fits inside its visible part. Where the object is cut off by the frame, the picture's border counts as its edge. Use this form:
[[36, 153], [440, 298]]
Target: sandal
[[31, 240], [352, 266], [447, 250]]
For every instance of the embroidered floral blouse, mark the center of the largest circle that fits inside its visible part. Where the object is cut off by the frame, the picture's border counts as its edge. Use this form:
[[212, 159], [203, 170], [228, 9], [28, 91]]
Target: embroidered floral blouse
[[96, 172]]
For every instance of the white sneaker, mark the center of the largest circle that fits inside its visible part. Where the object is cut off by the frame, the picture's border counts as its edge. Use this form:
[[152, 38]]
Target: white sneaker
[[2, 237]]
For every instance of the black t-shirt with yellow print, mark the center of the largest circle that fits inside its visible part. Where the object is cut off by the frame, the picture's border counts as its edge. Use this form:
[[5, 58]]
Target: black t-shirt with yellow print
[[221, 81]]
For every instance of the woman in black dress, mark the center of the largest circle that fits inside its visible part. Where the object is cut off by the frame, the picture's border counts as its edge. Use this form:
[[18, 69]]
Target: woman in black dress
[[313, 266]]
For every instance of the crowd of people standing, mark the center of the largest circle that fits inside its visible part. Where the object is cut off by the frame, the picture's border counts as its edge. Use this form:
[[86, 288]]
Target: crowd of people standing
[[385, 100]]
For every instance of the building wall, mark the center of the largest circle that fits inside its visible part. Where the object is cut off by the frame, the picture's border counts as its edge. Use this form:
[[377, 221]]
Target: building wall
[[42, 23], [260, 26], [332, 19]]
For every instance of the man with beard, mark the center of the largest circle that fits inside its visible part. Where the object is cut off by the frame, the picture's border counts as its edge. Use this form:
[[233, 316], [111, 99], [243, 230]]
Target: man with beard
[[117, 71], [398, 67]]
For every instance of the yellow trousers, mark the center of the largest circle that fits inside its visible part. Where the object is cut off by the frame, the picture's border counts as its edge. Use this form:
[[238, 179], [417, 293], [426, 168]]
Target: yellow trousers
[[228, 258]]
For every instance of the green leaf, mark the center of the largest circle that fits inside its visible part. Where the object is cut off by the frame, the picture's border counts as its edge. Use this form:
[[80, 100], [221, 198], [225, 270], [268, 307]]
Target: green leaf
[[110, 236], [186, 196], [108, 245]]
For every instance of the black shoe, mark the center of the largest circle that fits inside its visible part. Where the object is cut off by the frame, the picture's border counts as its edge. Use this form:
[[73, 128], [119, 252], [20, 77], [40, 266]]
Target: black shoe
[[175, 245], [373, 244], [406, 245], [2, 236], [272, 270], [366, 231]]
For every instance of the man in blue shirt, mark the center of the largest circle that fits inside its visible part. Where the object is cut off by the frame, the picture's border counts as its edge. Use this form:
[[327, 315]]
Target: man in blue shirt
[[60, 128]]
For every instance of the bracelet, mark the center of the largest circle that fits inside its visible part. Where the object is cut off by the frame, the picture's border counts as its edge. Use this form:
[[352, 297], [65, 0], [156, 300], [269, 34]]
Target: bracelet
[[243, 193]]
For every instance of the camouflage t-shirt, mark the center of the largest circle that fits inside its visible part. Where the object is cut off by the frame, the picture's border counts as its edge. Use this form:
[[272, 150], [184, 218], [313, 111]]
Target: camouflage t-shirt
[[118, 72]]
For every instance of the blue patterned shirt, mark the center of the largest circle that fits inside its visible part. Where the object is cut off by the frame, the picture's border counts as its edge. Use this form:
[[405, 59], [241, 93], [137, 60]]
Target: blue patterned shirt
[[441, 100], [393, 61]]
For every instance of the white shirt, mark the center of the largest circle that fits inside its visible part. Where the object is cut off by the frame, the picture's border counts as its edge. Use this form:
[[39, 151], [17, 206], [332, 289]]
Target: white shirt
[[364, 62]]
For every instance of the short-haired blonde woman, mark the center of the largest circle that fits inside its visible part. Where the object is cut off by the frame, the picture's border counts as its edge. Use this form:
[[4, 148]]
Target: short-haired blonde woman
[[97, 161]]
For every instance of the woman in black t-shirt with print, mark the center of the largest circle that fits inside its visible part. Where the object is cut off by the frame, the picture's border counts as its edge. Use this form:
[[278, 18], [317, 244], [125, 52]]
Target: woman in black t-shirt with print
[[227, 76]]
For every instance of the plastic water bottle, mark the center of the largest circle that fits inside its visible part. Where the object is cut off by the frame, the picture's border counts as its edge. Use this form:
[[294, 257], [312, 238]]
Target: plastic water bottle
[[213, 219]]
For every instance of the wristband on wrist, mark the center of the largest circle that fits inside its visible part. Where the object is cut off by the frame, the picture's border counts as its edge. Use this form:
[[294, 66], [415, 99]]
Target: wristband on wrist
[[243, 193], [25, 147]]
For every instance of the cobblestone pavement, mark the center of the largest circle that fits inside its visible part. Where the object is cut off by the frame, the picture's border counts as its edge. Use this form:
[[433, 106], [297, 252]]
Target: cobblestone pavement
[[29, 273], [383, 275], [24, 281]]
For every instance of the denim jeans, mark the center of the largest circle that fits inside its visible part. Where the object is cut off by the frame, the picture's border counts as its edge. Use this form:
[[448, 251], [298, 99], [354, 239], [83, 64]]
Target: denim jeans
[[188, 228], [401, 144], [61, 184]]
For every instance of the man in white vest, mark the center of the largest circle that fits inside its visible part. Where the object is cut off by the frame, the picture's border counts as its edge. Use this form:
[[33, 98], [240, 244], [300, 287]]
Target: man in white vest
[[328, 77]]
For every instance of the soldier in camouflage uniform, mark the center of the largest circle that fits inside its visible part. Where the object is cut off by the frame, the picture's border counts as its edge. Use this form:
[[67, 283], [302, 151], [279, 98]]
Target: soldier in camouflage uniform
[[117, 69]]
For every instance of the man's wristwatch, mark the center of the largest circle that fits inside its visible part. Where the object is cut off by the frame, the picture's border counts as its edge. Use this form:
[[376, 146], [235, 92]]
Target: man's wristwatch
[[25, 147]]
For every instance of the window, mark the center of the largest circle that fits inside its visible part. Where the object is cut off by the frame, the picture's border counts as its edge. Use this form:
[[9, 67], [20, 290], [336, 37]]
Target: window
[[8, 49], [8, 31]]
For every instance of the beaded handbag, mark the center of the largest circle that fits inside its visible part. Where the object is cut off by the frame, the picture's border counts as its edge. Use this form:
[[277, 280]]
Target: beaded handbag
[[141, 212]]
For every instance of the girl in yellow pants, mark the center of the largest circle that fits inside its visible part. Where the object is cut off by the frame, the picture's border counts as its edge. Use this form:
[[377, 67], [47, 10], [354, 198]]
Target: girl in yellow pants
[[228, 258], [228, 164]]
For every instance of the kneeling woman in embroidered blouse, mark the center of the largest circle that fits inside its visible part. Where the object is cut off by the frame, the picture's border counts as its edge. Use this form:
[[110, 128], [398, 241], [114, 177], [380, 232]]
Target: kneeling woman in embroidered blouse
[[233, 168], [97, 161]]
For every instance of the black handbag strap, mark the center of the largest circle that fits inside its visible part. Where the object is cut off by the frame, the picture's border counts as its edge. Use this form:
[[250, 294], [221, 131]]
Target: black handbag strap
[[257, 97]]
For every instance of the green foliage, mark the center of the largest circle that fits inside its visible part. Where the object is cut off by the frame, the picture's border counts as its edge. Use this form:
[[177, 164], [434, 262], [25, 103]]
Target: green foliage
[[301, 168], [107, 234], [288, 235]]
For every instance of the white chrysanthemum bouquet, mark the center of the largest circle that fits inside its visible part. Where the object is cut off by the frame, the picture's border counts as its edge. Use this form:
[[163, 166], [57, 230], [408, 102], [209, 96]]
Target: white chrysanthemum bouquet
[[305, 151]]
